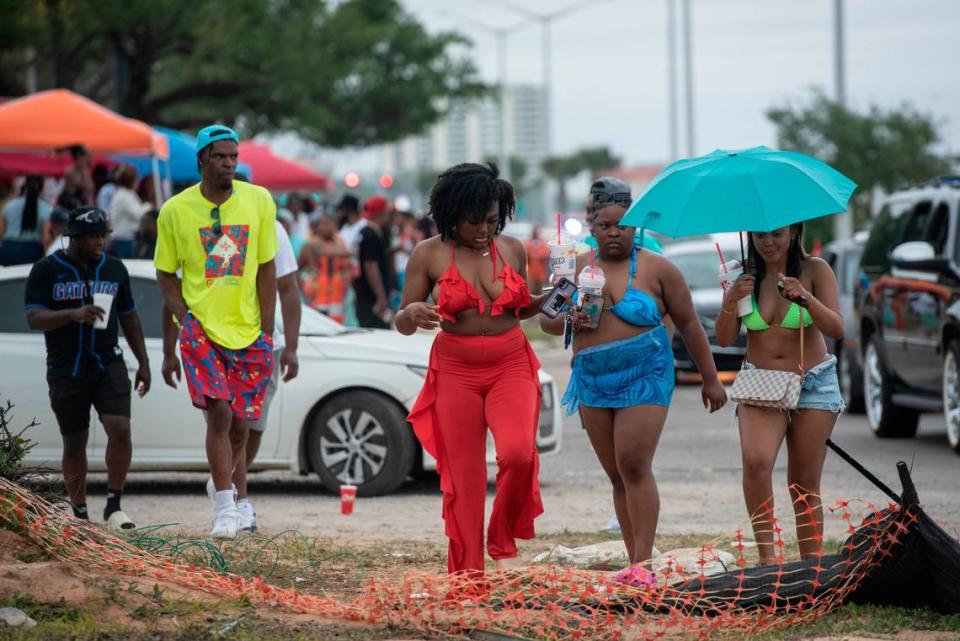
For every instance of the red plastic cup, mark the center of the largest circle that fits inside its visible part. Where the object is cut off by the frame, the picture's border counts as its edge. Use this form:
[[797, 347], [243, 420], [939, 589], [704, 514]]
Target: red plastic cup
[[348, 495]]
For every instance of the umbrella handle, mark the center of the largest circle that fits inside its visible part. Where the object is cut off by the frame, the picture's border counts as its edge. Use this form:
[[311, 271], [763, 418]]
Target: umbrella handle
[[866, 473]]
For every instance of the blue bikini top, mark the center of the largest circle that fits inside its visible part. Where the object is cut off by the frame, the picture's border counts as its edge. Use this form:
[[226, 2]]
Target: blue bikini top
[[637, 307]]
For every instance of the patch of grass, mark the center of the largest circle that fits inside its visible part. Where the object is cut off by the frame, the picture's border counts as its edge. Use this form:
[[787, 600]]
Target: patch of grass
[[59, 611], [870, 619]]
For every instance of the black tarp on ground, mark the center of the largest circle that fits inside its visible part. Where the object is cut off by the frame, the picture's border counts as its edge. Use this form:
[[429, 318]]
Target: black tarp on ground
[[920, 568]]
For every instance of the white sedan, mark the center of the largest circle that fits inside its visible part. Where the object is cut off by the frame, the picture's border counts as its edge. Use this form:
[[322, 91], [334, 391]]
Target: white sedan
[[343, 417]]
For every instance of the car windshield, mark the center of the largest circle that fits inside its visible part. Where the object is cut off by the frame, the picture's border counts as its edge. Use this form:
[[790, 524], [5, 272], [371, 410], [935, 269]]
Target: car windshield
[[313, 323], [699, 268]]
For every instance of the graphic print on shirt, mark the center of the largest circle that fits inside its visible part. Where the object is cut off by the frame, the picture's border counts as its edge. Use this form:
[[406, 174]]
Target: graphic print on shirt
[[227, 252]]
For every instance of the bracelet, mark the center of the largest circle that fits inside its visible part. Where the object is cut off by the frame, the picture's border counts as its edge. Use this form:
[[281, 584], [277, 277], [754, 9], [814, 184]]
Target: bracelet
[[725, 310]]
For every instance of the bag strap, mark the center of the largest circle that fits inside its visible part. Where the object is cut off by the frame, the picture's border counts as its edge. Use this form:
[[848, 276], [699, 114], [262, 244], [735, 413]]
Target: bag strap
[[802, 329]]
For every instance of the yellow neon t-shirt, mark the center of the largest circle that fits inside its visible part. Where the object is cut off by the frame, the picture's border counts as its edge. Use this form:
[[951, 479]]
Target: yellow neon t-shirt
[[219, 272]]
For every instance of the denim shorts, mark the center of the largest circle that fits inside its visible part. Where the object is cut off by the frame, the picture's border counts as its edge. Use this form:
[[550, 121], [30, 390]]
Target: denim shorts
[[821, 387]]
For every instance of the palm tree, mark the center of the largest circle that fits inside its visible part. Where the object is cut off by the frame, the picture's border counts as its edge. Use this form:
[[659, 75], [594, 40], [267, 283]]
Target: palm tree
[[561, 169]]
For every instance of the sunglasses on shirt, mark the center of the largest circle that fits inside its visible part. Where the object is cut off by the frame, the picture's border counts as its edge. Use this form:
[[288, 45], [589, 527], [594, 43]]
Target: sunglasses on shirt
[[215, 214]]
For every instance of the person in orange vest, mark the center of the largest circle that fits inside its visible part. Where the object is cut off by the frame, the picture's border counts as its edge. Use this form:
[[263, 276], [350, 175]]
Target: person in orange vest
[[538, 260], [325, 269]]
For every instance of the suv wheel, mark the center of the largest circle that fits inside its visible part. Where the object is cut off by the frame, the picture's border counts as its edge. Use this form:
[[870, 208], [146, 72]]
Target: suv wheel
[[851, 381], [361, 438], [885, 419], [951, 393]]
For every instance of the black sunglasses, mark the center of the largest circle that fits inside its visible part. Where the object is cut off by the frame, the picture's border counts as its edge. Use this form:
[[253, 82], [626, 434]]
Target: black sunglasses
[[215, 214], [620, 198]]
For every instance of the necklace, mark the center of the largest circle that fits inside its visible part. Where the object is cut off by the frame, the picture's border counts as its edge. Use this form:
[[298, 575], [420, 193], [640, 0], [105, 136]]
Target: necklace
[[486, 252]]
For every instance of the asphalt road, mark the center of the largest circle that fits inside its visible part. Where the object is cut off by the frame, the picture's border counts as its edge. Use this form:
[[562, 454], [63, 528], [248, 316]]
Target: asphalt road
[[697, 467]]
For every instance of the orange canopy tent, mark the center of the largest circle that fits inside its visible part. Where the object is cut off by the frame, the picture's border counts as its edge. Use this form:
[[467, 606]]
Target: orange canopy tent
[[59, 118]]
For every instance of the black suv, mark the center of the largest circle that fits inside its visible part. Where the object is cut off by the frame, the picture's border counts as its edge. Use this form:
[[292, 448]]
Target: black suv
[[909, 312]]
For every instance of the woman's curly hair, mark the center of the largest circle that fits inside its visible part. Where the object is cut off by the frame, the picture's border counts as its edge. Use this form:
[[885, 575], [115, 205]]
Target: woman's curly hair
[[466, 192]]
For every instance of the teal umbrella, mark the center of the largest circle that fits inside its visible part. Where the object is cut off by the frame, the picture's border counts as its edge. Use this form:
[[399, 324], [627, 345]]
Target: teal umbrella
[[757, 189]]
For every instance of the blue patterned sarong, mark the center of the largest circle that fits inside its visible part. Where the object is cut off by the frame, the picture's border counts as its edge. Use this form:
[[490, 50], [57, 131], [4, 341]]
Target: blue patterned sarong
[[624, 373]]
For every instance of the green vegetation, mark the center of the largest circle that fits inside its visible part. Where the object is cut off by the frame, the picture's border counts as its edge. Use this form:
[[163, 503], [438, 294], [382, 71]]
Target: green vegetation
[[879, 148], [356, 72]]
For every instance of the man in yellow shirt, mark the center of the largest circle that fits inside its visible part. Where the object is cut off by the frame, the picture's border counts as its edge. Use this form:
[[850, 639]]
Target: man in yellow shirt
[[221, 234]]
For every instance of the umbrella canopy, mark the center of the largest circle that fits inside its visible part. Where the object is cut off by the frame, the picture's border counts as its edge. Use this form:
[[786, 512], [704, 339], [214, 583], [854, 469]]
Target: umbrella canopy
[[279, 174], [757, 189], [182, 161], [60, 118]]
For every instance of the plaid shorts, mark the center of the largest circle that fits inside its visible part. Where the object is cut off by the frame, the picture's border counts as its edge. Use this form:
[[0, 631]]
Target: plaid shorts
[[240, 376]]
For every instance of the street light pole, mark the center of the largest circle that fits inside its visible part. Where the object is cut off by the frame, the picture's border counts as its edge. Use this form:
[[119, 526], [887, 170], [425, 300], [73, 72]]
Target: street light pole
[[842, 224], [688, 79], [502, 56], [672, 79], [501, 34], [546, 21]]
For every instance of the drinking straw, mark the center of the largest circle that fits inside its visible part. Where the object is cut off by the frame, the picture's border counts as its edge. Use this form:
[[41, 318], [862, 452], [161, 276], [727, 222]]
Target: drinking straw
[[723, 263], [558, 227]]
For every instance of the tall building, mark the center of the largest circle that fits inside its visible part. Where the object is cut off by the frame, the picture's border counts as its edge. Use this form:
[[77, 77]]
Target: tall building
[[471, 133]]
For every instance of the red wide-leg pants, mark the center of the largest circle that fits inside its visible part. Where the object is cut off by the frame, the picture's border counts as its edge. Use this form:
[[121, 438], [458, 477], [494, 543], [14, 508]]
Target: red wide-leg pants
[[476, 382]]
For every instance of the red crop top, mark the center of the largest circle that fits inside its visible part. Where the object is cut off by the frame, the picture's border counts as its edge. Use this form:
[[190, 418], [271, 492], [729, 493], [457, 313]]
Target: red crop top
[[458, 294]]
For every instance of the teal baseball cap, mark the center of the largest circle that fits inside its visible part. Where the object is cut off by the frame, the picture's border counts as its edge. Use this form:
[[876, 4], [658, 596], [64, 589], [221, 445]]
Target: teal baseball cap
[[213, 133]]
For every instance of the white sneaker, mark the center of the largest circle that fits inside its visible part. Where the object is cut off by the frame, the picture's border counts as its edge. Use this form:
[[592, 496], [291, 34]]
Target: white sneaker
[[212, 489], [248, 517], [225, 523]]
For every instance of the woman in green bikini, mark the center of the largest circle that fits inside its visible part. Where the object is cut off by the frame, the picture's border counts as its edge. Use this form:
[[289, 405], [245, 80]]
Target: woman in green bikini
[[789, 288]]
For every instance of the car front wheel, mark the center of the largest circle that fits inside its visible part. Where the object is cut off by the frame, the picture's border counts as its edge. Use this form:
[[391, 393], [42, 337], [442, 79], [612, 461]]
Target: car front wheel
[[361, 438], [851, 383], [885, 419], [951, 393]]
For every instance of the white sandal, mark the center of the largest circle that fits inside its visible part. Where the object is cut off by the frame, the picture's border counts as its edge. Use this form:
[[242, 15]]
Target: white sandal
[[119, 522]]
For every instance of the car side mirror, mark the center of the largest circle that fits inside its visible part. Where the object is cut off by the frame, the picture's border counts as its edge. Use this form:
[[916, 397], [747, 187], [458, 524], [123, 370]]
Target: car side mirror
[[918, 255], [912, 252]]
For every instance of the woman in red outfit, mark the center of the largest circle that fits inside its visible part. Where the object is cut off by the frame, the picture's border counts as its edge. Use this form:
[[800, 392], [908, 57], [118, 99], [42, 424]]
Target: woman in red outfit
[[482, 371]]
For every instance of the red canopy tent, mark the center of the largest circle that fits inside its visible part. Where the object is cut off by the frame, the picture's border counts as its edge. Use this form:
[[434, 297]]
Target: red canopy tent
[[277, 173]]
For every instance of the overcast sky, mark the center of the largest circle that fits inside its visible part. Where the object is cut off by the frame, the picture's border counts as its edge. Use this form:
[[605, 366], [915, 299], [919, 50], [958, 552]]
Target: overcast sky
[[610, 69]]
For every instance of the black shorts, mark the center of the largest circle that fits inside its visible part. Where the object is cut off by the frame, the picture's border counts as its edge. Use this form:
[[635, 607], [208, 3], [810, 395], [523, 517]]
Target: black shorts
[[108, 391]]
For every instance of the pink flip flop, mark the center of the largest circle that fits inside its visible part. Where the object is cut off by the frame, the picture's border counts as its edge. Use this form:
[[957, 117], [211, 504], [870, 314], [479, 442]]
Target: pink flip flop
[[635, 576]]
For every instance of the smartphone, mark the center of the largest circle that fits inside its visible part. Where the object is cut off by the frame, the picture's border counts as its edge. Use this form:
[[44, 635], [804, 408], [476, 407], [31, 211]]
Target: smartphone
[[552, 305]]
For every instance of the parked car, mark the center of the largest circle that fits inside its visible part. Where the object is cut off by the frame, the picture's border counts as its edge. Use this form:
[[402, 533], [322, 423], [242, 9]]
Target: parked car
[[699, 263], [910, 310], [354, 386], [844, 258]]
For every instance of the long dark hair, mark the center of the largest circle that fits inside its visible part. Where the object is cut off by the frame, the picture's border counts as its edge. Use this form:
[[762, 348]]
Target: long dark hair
[[795, 254], [31, 193], [468, 191]]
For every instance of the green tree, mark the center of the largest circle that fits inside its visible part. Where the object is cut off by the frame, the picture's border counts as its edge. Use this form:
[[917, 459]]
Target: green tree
[[355, 72], [596, 160], [518, 172], [878, 148], [561, 169]]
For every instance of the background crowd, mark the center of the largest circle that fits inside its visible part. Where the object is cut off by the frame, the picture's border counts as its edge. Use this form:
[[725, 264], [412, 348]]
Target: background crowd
[[352, 254]]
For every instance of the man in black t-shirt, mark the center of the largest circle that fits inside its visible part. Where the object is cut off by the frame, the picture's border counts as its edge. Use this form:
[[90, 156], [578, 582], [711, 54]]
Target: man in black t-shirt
[[373, 285], [84, 363]]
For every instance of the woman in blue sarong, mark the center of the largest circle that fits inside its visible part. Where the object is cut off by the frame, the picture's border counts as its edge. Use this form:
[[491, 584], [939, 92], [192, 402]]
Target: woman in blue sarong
[[623, 372]]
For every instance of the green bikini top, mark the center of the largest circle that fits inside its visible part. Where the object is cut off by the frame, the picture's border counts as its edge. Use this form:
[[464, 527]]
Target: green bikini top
[[755, 323]]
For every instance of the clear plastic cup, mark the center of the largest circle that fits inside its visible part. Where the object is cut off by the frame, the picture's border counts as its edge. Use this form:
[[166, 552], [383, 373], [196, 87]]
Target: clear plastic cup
[[348, 496], [563, 257], [591, 281], [104, 302], [727, 277]]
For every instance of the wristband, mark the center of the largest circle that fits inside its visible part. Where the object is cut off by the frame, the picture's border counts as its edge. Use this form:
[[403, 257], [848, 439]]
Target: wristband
[[725, 310]]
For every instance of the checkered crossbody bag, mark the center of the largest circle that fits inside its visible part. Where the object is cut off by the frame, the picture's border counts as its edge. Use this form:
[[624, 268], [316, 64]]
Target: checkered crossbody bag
[[772, 388]]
